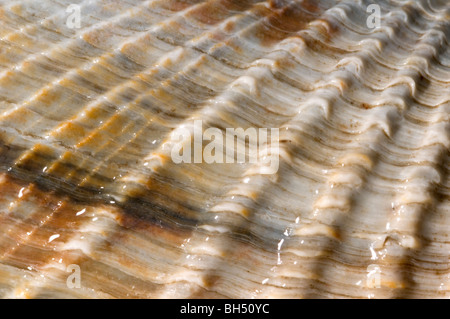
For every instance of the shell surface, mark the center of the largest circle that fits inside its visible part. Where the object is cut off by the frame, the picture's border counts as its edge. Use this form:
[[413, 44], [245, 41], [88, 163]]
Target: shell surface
[[88, 104]]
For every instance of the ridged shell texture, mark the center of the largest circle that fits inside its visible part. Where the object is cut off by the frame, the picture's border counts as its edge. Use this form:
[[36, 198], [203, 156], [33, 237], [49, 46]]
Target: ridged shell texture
[[86, 115]]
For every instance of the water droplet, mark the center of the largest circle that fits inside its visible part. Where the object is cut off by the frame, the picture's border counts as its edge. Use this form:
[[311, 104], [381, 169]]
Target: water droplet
[[21, 192], [81, 212], [280, 244], [53, 237]]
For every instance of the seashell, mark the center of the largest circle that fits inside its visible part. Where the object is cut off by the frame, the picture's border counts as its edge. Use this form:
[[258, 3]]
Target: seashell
[[91, 93]]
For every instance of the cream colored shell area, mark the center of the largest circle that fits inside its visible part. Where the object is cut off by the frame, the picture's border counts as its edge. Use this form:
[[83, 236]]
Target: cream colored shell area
[[86, 116]]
